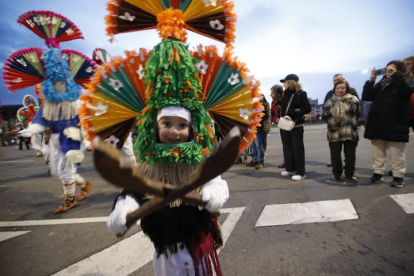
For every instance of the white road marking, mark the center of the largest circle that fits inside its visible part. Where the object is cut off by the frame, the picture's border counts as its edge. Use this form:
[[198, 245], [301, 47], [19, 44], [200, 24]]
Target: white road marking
[[122, 258], [17, 161], [309, 212], [9, 235], [51, 222], [132, 253], [406, 201]]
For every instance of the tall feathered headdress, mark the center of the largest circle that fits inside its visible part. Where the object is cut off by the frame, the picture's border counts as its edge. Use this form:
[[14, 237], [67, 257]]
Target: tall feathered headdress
[[131, 90]]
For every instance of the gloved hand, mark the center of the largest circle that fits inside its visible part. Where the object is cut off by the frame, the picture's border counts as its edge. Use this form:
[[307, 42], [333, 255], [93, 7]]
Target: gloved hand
[[33, 129], [75, 156], [73, 133], [215, 193], [117, 220]]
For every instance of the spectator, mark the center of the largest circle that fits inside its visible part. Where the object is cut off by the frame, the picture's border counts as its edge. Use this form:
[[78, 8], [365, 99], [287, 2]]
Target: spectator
[[409, 65], [336, 78], [19, 127], [276, 92], [260, 142], [341, 113], [293, 147], [352, 91], [388, 120]]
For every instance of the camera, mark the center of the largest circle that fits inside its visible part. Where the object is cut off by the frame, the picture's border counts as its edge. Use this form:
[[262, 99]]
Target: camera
[[380, 72]]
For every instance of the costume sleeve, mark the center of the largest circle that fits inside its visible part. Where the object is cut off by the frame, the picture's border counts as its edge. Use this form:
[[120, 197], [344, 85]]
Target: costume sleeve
[[215, 193], [123, 205]]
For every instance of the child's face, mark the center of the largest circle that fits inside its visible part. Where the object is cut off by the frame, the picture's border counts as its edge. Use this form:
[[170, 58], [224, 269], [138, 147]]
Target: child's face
[[173, 130]]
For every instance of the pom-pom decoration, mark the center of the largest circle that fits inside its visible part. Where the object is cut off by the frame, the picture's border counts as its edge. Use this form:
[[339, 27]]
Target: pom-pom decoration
[[115, 97], [29, 109], [51, 26], [24, 68], [100, 56], [230, 94], [212, 18]]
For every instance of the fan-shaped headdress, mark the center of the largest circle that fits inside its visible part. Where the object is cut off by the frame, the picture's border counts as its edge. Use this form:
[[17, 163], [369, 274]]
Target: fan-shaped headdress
[[144, 82], [32, 66]]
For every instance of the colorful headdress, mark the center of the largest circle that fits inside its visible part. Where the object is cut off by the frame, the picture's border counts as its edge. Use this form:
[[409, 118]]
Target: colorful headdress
[[32, 66], [136, 87]]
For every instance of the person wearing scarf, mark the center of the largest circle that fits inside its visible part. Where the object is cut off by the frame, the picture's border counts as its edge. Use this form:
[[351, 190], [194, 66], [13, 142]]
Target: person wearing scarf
[[341, 114], [388, 120]]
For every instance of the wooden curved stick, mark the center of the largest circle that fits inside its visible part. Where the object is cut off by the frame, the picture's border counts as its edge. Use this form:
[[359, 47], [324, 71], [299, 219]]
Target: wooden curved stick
[[212, 166]]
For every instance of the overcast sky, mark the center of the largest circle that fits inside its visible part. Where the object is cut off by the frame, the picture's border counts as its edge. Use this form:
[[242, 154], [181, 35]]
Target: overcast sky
[[313, 39]]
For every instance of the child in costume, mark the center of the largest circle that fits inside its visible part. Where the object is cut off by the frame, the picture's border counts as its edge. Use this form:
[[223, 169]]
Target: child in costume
[[60, 73], [185, 237], [172, 95]]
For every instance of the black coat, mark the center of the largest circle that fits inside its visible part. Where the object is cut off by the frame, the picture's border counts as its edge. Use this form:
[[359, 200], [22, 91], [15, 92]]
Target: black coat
[[389, 117], [300, 101]]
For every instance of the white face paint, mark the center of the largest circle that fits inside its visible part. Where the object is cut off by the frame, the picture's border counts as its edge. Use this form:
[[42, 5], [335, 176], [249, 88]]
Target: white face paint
[[60, 86]]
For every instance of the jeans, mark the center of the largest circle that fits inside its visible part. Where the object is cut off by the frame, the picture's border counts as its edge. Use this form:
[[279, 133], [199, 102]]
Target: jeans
[[258, 147]]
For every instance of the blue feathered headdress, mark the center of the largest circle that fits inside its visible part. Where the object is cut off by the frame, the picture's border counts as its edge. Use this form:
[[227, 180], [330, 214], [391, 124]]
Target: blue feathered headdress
[[57, 69]]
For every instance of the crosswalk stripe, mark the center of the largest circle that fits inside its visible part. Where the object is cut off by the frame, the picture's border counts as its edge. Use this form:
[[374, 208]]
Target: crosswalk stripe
[[9, 235], [130, 254], [50, 222], [309, 212], [406, 202]]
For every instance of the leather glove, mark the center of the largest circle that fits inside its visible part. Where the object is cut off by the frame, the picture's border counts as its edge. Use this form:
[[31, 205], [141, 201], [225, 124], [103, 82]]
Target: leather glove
[[73, 133], [31, 130], [117, 220], [215, 193]]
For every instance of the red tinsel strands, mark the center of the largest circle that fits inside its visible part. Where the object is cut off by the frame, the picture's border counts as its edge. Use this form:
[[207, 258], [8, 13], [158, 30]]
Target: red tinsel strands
[[52, 42], [171, 24], [43, 24]]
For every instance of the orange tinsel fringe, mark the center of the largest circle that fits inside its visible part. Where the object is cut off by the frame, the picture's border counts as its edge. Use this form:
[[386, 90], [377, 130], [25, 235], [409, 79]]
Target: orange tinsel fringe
[[171, 24], [111, 18], [231, 19]]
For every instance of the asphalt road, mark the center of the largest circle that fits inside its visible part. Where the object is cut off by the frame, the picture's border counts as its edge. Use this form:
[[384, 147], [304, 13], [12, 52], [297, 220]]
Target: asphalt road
[[379, 241]]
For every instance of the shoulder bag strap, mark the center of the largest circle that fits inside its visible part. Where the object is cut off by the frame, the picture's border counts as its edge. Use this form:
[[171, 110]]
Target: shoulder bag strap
[[287, 108]]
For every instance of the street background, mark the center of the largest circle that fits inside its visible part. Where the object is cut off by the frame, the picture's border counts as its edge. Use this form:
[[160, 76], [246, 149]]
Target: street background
[[379, 242]]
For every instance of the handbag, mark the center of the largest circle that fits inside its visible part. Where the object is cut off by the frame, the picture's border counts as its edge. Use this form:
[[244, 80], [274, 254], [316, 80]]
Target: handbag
[[285, 122]]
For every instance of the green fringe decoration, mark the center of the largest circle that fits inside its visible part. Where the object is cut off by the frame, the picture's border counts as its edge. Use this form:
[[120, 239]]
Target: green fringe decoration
[[173, 84]]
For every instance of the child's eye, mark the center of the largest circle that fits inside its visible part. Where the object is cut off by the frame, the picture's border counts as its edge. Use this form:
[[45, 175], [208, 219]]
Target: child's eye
[[167, 124], [183, 125]]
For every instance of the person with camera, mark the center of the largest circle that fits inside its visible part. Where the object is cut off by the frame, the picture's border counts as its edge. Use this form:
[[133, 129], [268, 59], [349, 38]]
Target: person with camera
[[294, 104], [341, 114], [388, 120]]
